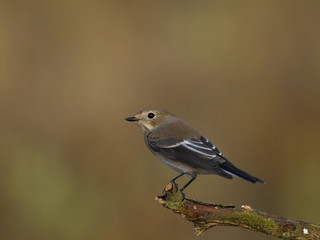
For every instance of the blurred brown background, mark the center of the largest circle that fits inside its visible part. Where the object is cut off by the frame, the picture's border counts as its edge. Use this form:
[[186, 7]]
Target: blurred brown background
[[244, 73]]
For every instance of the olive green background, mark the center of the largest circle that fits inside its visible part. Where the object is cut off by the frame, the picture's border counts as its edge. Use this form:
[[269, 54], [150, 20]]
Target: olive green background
[[246, 74]]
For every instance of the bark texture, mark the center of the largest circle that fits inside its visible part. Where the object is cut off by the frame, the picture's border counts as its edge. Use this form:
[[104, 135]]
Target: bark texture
[[207, 215]]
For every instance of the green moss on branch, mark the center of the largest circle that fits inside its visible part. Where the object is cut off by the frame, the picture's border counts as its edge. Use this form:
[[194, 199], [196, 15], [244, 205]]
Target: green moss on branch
[[207, 215]]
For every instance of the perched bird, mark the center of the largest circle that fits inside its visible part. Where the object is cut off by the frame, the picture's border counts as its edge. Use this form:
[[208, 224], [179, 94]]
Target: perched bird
[[183, 148]]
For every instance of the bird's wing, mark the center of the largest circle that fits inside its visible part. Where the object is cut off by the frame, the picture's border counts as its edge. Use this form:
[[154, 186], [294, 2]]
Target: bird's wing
[[206, 142], [197, 153]]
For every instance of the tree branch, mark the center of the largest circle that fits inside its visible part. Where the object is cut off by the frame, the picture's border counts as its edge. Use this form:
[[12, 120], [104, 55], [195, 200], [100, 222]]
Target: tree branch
[[207, 215]]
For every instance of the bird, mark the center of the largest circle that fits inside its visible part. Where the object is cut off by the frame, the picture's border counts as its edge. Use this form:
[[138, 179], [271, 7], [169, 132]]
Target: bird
[[183, 148]]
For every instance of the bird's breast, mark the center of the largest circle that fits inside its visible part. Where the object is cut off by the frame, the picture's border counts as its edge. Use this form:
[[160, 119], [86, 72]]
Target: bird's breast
[[175, 165]]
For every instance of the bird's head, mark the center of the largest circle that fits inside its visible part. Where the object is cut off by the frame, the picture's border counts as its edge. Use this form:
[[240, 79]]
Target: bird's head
[[150, 118]]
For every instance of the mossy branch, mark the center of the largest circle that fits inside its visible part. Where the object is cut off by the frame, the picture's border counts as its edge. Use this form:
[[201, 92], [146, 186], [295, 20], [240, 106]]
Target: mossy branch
[[207, 215]]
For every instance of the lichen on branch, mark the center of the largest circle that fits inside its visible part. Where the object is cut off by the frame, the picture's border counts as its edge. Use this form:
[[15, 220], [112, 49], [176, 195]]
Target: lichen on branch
[[207, 215]]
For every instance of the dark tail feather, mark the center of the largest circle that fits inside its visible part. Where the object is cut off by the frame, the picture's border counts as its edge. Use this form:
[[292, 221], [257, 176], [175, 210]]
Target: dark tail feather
[[233, 170]]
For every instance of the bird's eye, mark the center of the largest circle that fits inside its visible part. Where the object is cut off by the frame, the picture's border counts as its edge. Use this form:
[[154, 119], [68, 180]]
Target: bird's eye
[[151, 115]]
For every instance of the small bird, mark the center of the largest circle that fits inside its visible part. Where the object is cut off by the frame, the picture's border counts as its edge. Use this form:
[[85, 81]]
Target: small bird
[[183, 148]]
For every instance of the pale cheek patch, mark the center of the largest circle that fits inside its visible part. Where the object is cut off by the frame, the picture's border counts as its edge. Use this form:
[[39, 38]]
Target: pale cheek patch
[[146, 126]]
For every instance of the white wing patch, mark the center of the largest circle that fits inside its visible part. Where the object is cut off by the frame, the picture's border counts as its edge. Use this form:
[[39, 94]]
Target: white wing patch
[[213, 147], [197, 147]]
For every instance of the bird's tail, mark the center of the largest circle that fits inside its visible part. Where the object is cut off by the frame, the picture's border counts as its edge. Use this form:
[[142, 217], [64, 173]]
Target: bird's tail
[[229, 168]]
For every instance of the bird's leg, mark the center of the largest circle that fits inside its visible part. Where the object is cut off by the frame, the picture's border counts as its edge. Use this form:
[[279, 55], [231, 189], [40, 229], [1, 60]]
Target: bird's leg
[[173, 179], [187, 184]]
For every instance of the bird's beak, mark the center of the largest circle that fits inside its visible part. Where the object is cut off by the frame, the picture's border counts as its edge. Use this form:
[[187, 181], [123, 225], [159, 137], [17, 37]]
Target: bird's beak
[[132, 119]]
